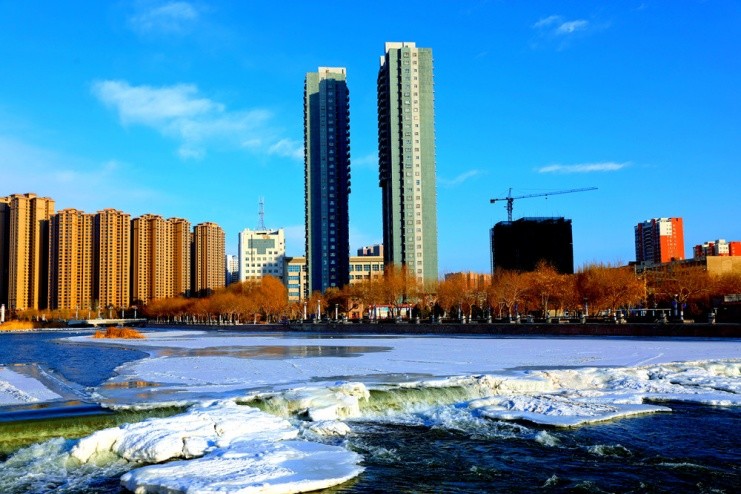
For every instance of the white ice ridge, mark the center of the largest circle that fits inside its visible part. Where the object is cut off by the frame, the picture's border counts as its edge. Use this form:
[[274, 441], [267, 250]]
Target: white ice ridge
[[17, 389], [222, 447], [558, 397]]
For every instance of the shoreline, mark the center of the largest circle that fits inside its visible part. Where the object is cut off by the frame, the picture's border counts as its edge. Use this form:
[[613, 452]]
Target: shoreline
[[680, 330]]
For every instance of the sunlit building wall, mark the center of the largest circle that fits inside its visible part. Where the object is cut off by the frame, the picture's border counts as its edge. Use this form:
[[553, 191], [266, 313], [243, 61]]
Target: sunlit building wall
[[71, 260], [208, 258], [406, 153]]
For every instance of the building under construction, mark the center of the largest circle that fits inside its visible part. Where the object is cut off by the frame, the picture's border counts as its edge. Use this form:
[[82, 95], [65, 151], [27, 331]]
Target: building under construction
[[520, 245]]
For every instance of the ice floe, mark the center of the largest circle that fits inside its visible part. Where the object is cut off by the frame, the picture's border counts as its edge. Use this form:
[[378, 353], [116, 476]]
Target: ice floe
[[228, 448]]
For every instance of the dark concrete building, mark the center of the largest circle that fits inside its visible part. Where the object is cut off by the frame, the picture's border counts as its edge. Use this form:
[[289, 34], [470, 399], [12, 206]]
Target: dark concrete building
[[521, 244]]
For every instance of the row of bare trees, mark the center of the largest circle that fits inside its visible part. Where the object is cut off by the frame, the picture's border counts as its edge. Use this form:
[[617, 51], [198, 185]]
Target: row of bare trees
[[596, 288]]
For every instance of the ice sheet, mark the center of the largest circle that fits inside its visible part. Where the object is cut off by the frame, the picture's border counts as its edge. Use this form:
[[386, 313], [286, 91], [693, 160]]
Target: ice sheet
[[17, 389], [451, 382]]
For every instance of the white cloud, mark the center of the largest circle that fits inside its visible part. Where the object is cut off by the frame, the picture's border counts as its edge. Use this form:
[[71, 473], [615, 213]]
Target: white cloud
[[167, 18], [454, 182], [71, 181], [583, 168], [288, 148], [181, 113], [556, 24], [547, 21], [572, 26]]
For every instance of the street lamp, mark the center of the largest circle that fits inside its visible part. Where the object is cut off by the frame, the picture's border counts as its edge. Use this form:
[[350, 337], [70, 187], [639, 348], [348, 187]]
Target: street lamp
[[304, 310], [586, 307], [335, 312]]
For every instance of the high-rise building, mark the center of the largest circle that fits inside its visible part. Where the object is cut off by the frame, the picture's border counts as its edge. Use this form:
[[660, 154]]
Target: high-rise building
[[181, 261], [327, 177], [71, 260], [208, 258], [28, 250], [151, 258], [112, 259], [406, 153], [4, 248], [261, 253], [521, 244], [160, 257], [232, 269], [659, 240]]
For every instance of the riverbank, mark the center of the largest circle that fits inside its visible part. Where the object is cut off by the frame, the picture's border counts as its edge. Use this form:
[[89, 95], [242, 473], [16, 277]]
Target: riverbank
[[693, 330]]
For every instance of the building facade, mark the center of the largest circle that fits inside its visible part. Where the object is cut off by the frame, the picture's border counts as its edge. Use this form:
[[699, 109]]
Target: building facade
[[327, 177], [295, 278], [406, 153], [521, 244], [181, 262], [659, 240], [364, 268], [261, 253], [4, 248], [71, 260], [232, 269], [112, 258], [208, 258], [371, 250], [718, 247], [27, 247]]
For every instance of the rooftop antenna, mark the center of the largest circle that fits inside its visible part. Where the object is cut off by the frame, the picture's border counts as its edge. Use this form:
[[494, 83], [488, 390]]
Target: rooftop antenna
[[261, 215]]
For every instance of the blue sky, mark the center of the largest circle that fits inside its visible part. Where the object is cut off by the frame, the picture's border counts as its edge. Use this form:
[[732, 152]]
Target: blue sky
[[194, 109]]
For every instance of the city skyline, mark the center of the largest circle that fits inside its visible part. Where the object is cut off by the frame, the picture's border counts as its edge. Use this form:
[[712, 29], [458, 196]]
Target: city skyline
[[194, 110]]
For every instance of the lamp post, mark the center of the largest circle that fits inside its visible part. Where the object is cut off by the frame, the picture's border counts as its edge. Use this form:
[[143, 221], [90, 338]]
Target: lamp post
[[335, 312], [586, 307], [304, 310], [318, 310]]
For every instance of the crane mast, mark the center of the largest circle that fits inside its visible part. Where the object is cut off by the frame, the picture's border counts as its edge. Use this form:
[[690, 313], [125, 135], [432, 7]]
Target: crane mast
[[510, 199]]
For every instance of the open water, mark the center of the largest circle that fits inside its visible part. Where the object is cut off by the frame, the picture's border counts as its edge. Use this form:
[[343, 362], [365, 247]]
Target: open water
[[692, 449]]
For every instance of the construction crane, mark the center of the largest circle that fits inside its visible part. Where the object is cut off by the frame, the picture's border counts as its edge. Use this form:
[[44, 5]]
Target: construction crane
[[510, 200]]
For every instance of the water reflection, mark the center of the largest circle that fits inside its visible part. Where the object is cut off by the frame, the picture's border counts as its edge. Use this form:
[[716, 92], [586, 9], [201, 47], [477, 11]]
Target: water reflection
[[268, 352]]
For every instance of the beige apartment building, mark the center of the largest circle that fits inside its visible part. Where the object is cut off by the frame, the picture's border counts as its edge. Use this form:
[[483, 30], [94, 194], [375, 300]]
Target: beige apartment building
[[160, 257], [112, 253], [181, 262], [209, 256], [295, 278], [71, 260], [24, 249]]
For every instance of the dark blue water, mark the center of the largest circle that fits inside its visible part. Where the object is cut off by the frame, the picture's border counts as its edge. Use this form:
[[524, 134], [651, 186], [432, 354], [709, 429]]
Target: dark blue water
[[693, 449], [88, 365]]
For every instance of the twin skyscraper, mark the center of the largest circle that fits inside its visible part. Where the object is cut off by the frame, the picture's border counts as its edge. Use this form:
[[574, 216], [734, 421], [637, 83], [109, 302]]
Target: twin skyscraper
[[406, 167]]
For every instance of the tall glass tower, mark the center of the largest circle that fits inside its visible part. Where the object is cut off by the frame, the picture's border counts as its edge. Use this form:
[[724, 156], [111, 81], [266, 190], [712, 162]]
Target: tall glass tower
[[327, 177], [406, 154]]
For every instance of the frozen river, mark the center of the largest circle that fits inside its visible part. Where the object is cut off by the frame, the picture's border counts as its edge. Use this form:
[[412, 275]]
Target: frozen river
[[296, 412]]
